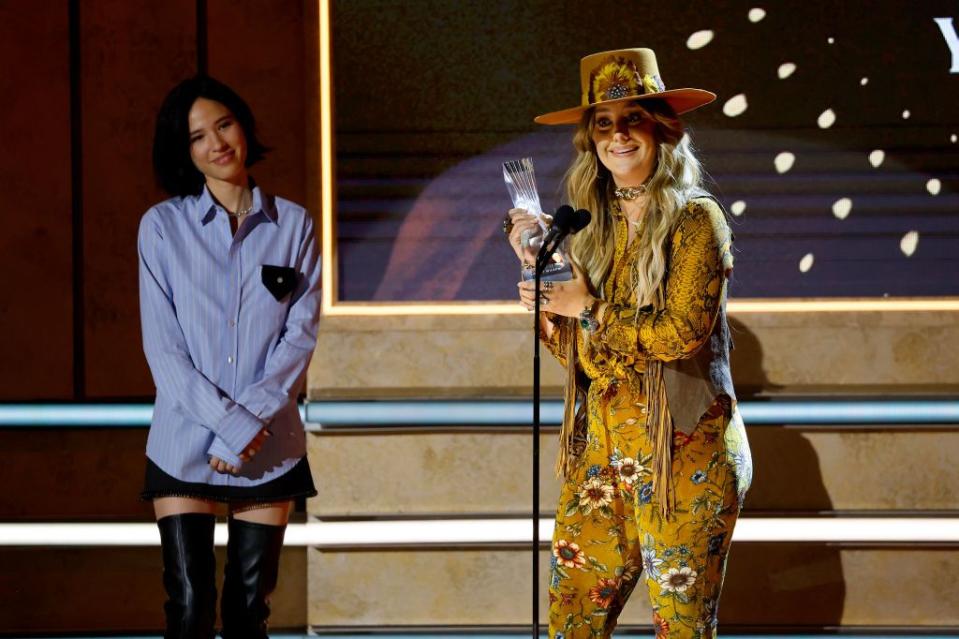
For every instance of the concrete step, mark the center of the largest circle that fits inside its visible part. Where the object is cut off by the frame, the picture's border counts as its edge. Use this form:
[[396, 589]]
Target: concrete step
[[767, 586], [487, 471]]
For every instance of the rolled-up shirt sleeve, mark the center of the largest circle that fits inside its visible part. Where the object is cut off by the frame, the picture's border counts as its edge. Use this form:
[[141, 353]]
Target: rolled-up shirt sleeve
[[164, 345]]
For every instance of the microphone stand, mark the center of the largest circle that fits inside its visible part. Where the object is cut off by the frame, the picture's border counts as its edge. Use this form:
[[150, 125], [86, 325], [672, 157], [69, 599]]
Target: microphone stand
[[542, 259], [536, 423]]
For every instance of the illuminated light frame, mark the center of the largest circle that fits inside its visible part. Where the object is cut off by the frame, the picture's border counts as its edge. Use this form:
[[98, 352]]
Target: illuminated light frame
[[331, 307], [332, 415], [456, 532]]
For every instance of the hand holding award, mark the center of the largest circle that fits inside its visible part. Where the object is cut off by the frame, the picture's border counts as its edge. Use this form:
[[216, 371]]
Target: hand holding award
[[521, 184]]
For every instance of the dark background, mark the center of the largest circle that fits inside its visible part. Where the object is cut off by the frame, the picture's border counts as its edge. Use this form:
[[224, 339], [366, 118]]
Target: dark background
[[432, 96], [81, 85]]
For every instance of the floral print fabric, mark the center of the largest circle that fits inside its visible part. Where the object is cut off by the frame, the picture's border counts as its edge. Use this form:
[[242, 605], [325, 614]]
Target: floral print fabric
[[609, 528]]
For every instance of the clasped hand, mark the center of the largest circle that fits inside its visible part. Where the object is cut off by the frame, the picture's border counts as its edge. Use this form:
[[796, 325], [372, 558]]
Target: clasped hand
[[252, 449]]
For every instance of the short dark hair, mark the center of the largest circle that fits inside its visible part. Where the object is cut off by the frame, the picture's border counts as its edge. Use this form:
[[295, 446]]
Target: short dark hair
[[172, 163]]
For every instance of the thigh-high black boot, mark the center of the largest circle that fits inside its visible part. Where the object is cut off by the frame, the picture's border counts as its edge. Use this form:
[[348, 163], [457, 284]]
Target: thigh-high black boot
[[189, 575], [252, 567]]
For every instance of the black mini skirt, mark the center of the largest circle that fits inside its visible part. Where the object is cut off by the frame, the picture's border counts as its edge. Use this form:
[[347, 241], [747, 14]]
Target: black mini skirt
[[296, 483]]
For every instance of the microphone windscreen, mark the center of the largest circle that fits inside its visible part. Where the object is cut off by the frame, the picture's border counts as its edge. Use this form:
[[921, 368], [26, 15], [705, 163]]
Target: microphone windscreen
[[581, 219], [564, 218]]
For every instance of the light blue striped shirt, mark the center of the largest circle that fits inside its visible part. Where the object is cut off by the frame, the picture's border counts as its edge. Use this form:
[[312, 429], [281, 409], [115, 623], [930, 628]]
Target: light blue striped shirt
[[228, 356]]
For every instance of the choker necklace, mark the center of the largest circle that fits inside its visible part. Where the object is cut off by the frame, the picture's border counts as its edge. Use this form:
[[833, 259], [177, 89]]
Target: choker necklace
[[630, 192]]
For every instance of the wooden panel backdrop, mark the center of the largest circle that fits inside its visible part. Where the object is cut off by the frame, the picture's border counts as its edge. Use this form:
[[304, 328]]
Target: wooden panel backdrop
[[36, 291]]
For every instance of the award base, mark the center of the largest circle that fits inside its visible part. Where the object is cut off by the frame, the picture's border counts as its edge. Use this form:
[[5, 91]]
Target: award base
[[554, 272]]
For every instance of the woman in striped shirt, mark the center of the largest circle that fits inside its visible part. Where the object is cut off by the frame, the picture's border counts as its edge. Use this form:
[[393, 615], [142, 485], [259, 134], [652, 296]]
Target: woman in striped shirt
[[229, 297]]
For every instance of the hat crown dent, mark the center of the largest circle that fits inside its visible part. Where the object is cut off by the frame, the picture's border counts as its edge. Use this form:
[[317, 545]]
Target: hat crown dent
[[642, 61]]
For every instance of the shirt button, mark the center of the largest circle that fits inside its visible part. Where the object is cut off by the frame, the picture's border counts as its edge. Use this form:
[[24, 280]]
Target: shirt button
[[232, 322], [230, 359]]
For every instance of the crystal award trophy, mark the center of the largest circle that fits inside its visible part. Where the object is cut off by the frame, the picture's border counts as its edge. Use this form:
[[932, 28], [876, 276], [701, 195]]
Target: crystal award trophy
[[521, 184]]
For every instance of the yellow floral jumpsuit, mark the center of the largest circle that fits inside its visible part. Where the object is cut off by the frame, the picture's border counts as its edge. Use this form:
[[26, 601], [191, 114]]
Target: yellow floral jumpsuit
[[609, 526]]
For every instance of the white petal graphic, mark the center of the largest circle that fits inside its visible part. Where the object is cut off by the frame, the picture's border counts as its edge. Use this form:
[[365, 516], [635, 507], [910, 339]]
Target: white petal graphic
[[756, 14], [784, 161], [826, 119], [831, 40], [736, 105], [933, 186], [806, 263], [841, 208], [906, 114], [954, 138], [909, 242], [699, 39], [864, 81], [738, 207], [786, 69], [876, 158]]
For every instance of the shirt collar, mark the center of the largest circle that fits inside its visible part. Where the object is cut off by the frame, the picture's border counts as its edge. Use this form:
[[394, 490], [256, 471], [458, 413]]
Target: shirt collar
[[265, 204], [206, 206]]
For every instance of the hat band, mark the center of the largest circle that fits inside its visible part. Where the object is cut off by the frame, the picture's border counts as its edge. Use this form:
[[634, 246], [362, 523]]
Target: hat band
[[618, 77]]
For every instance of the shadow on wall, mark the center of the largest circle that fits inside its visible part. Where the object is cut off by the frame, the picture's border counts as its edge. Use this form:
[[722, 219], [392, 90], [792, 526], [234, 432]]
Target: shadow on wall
[[787, 584], [746, 360], [450, 245], [780, 584]]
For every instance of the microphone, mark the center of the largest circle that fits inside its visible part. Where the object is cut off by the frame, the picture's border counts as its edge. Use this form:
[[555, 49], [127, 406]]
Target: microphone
[[565, 222], [562, 222], [583, 218]]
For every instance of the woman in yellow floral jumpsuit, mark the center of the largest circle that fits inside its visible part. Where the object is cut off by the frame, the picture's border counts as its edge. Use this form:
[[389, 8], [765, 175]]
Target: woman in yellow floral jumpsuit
[[647, 490]]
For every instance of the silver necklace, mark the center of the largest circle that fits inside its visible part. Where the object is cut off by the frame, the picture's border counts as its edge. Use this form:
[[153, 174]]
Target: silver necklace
[[240, 212]]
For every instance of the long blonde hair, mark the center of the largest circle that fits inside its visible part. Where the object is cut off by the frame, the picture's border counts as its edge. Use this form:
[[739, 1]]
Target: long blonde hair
[[676, 179]]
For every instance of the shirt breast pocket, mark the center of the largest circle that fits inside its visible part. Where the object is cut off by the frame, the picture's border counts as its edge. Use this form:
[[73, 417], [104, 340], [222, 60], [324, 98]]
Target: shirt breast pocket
[[278, 280]]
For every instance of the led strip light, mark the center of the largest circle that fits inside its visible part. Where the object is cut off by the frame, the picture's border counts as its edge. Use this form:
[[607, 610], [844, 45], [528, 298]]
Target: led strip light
[[455, 532], [735, 306], [350, 414], [328, 415]]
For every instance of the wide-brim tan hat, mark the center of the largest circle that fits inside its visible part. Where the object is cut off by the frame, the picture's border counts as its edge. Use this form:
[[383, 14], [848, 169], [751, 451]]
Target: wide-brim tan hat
[[625, 74]]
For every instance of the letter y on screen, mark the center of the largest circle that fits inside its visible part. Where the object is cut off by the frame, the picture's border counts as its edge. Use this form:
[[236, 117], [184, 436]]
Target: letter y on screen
[[952, 40]]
